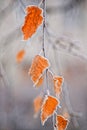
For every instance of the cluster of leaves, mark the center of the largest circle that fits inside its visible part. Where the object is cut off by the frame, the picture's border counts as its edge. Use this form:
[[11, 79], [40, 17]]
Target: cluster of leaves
[[46, 103]]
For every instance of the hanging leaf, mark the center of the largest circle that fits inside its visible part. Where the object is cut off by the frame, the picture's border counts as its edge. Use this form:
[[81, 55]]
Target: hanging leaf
[[20, 55], [39, 64], [57, 84], [37, 104], [33, 20], [61, 122], [48, 107]]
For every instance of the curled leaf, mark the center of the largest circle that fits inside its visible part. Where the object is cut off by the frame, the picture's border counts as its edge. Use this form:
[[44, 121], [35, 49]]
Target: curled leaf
[[39, 64], [61, 122], [33, 20], [57, 84], [20, 55], [48, 107], [37, 104]]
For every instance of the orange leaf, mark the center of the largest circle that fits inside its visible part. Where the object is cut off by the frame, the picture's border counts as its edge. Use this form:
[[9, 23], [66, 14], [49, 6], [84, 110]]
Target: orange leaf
[[37, 104], [33, 20], [61, 122], [20, 55], [48, 107], [40, 81], [39, 64], [57, 84]]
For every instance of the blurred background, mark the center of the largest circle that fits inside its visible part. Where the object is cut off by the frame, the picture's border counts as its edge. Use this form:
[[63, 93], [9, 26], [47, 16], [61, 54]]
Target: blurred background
[[66, 49]]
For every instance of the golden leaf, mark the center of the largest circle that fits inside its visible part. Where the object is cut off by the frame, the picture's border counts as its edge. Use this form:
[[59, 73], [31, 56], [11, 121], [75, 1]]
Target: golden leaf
[[33, 20], [48, 107], [39, 64], [61, 122]]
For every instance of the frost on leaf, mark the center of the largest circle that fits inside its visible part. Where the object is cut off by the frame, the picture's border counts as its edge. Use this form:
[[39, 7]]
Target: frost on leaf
[[33, 20], [48, 107], [61, 122], [57, 84], [39, 64], [40, 81], [20, 55], [37, 104]]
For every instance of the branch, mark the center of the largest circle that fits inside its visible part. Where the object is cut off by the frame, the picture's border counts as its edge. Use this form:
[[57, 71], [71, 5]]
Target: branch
[[44, 14], [43, 44], [65, 45]]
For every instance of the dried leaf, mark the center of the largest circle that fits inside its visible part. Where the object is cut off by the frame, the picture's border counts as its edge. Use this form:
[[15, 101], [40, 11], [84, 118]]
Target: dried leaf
[[39, 64], [33, 20], [57, 84], [48, 107], [61, 122], [37, 104], [20, 55]]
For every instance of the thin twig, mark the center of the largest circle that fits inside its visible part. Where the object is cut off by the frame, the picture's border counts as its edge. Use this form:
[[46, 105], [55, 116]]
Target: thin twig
[[22, 6], [40, 3], [54, 120], [44, 13], [43, 42]]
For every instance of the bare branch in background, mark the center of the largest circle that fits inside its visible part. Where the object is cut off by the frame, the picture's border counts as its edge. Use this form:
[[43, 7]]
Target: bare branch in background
[[65, 45], [66, 6]]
